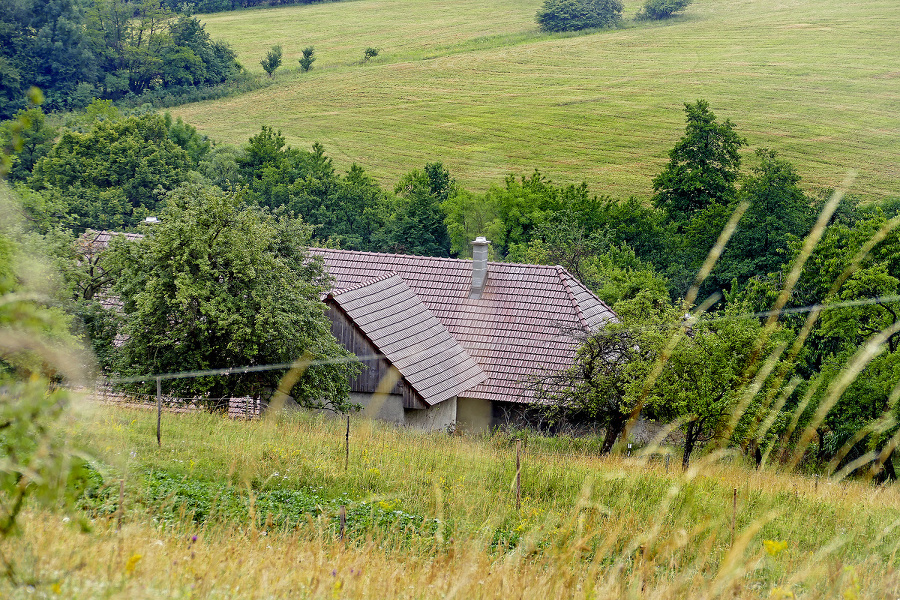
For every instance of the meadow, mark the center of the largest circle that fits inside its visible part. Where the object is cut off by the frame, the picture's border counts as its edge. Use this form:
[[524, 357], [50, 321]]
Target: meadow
[[238, 509], [476, 86]]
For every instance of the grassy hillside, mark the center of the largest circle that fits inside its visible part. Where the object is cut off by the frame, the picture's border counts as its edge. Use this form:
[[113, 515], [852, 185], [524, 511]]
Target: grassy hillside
[[229, 509], [474, 85]]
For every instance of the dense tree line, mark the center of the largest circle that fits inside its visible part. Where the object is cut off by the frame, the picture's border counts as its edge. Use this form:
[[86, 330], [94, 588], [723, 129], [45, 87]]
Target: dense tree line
[[78, 50], [726, 373]]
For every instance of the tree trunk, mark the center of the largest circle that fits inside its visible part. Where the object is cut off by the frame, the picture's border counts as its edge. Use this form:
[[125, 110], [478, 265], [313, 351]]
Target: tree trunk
[[613, 428], [688, 445], [889, 472]]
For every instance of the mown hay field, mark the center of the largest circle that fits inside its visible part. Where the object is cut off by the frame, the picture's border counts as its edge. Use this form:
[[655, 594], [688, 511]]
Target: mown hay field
[[477, 86], [235, 509]]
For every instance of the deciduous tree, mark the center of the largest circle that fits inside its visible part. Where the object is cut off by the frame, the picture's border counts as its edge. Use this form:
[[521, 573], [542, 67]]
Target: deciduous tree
[[703, 166], [215, 285]]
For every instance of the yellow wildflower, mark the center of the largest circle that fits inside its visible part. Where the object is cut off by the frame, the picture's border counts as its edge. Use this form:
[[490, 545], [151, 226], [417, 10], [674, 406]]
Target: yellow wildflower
[[774, 548], [132, 563]]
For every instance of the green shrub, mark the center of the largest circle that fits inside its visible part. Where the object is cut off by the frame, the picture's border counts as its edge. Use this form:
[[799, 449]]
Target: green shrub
[[370, 53], [272, 60], [308, 59], [661, 9], [574, 15]]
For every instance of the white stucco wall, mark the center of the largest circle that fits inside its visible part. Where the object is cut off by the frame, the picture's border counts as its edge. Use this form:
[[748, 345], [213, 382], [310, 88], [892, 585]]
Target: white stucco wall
[[438, 417], [473, 415]]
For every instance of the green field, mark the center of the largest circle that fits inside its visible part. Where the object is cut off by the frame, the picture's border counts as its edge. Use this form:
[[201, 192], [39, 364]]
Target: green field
[[477, 87]]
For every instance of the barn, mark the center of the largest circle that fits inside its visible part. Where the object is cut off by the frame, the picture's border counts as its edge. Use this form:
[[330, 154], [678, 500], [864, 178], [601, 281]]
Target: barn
[[451, 343]]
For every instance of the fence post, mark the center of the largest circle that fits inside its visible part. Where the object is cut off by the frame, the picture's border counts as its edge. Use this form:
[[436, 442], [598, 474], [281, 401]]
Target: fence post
[[518, 474], [159, 411], [343, 516], [121, 510], [733, 514], [667, 464], [347, 446]]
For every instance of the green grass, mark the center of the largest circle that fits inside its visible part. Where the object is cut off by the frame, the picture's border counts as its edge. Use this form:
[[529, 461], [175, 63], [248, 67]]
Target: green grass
[[476, 86], [234, 509], [213, 465]]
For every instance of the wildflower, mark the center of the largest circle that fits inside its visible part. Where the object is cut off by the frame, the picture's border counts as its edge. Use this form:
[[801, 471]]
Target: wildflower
[[774, 548], [132, 563], [780, 594]]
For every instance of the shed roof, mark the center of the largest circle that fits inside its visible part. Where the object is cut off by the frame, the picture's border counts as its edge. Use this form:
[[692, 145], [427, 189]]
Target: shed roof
[[520, 327], [400, 325]]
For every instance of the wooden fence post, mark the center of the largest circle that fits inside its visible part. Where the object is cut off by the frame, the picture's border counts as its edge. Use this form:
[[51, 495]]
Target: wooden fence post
[[343, 517], [518, 474], [159, 412], [347, 446], [733, 514], [121, 510]]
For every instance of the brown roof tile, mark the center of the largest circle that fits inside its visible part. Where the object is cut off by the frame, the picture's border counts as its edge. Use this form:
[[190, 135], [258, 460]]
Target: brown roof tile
[[400, 325], [518, 327]]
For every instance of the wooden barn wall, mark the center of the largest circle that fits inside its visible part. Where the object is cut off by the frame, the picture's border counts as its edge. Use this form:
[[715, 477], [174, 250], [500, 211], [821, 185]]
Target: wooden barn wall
[[354, 340]]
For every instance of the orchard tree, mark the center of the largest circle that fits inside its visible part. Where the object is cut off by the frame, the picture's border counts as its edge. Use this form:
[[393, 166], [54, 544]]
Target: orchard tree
[[703, 166], [272, 60], [217, 285], [707, 375], [307, 59], [605, 385]]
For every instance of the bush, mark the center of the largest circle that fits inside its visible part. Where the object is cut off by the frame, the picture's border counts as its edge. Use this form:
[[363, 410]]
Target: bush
[[574, 15], [272, 60], [661, 9], [308, 59], [370, 53]]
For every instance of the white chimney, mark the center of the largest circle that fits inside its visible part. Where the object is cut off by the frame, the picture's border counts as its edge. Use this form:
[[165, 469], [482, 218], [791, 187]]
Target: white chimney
[[479, 266]]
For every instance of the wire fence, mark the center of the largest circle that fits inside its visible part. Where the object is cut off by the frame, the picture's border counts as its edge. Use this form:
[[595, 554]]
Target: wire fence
[[236, 408]]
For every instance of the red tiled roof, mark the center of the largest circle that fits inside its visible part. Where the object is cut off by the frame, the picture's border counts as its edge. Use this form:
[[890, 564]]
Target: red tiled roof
[[411, 338], [519, 327]]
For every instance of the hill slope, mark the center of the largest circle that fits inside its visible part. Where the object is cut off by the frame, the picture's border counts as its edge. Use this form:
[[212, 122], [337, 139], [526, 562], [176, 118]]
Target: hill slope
[[476, 86]]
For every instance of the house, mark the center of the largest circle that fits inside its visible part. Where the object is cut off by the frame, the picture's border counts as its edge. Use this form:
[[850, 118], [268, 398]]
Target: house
[[446, 342], [454, 343]]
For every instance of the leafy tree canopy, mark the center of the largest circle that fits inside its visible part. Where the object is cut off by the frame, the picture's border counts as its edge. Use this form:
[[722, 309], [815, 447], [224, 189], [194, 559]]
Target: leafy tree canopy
[[574, 15], [661, 9], [117, 172], [703, 166], [216, 285]]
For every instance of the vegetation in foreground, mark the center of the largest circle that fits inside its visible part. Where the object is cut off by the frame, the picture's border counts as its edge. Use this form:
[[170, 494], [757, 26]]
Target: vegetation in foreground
[[234, 509]]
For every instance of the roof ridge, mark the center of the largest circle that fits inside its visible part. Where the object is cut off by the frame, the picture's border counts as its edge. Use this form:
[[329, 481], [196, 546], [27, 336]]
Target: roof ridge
[[561, 271], [440, 258], [368, 282]]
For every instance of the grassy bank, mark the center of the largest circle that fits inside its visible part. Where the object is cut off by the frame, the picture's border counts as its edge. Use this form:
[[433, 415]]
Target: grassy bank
[[476, 86], [433, 516]]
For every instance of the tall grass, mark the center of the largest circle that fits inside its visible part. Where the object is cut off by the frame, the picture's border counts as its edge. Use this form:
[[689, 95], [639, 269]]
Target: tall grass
[[589, 526]]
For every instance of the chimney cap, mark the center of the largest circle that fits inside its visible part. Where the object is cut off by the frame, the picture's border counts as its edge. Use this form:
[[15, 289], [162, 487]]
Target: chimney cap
[[481, 241]]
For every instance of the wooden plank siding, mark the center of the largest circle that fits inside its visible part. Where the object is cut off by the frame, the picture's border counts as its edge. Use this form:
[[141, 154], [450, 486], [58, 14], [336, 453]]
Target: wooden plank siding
[[354, 340]]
